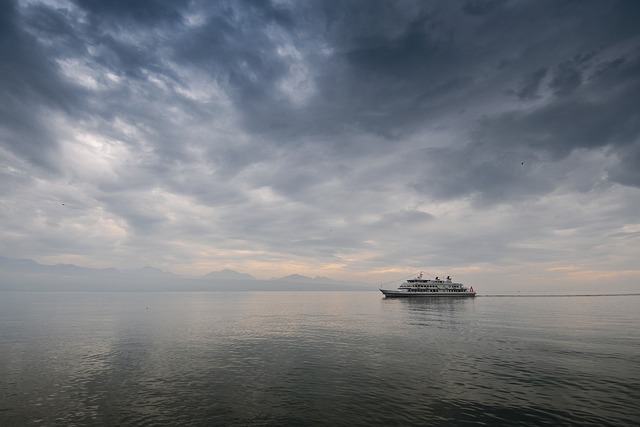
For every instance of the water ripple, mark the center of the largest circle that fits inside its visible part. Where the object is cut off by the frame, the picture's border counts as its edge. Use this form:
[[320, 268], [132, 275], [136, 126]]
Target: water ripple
[[263, 359]]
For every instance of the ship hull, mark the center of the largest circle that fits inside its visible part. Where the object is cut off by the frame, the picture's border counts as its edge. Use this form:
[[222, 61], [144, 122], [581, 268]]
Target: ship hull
[[403, 294]]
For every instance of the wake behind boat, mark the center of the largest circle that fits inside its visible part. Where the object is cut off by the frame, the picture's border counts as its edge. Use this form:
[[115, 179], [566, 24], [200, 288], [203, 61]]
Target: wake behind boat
[[421, 287]]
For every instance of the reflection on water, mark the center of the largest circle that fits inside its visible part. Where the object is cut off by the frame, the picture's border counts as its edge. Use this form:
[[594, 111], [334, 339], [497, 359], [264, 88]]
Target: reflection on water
[[325, 358]]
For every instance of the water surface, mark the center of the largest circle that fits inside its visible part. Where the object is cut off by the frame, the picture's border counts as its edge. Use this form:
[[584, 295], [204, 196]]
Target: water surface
[[317, 358]]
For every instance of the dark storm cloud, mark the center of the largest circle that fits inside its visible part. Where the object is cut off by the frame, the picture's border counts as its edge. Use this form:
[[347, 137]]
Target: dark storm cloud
[[531, 85], [317, 127], [587, 102], [488, 175], [481, 7], [234, 47], [602, 112], [30, 88], [123, 12], [390, 69], [395, 69], [627, 171], [566, 79]]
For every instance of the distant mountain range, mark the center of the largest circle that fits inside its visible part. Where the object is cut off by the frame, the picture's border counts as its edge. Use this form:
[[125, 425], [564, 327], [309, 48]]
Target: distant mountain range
[[28, 275], [228, 274]]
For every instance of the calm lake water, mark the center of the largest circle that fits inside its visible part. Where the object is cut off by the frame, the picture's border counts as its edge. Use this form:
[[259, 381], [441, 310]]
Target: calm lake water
[[317, 358]]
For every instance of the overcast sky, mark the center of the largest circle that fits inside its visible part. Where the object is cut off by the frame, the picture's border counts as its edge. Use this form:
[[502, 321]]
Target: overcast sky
[[495, 141]]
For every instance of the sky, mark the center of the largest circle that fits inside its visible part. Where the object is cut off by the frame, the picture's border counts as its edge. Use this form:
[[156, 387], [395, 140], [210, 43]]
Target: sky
[[494, 141]]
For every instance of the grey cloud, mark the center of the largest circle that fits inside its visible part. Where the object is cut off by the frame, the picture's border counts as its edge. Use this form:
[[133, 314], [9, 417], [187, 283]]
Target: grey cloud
[[555, 129], [485, 175], [241, 48], [627, 171], [599, 113], [312, 129], [404, 220], [481, 7], [234, 44], [531, 84], [142, 12], [567, 78], [30, 89], [394, 69], [126, 59]]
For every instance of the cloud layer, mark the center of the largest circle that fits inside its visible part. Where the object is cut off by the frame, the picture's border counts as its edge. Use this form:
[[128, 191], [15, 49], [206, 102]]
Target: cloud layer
[[356, 139]]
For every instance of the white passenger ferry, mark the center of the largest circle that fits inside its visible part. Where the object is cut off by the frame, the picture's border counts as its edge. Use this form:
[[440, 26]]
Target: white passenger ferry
[[421, 287]]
